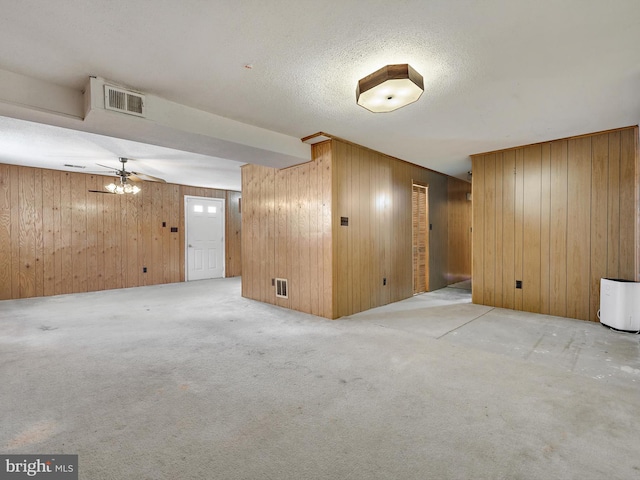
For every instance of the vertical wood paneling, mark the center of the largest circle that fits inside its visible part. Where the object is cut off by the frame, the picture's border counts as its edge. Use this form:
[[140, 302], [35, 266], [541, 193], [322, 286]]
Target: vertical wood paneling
[[294, 231], [167, 263], [5, 233], [156, 268], [508, 229], [376, 228], [341, 233], [246, 173], [58, 237], [48, 225], [375, 232], [324, 152], [79, 232], [259, 239], [438, 238], [532, 174], [131, 239], [355, 176], [578, 215], [122, 267], [145, 231], [599, 213], [57, 233], [27, 248], [498, 298], [545, 212], [111, 241], [282, 253], [374, 192], [385, 227], [519, 225], [355, 224], [233, 238], [353, 291], [282, 234], [177, 212], [15, 231], [628, 203], [613, 207], [263, 220], [271, 234], [477, 235], [578, 227], [459, 236], [489, 242], [364, 216], [100, 236], [558, 228], [314, 261], [304, 258], [182, 236], [93, 227], [400, 232], [268, 211], [39, 233]]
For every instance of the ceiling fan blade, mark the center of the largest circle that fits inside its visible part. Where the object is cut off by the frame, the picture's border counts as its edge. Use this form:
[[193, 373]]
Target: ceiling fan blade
[[101, 191], [110, 168], [101, 172], [140, 177]]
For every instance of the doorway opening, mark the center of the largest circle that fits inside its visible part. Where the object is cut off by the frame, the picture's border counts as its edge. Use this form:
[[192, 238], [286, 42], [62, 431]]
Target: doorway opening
[[420, 218], [204, 235]]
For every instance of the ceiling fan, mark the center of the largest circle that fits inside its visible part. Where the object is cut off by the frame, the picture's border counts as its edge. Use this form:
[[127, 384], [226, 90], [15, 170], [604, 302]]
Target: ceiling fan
[[126, 177]]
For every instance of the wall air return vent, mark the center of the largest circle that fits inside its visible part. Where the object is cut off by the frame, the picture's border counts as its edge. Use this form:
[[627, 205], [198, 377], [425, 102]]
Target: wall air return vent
[[281, 288], [123, 101]]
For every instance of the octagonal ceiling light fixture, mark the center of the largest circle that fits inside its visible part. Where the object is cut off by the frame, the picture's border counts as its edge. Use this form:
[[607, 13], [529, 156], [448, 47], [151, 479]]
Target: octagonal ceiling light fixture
[[390, 88]]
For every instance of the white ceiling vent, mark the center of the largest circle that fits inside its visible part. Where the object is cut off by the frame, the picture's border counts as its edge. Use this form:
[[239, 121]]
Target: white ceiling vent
[[124, 101]]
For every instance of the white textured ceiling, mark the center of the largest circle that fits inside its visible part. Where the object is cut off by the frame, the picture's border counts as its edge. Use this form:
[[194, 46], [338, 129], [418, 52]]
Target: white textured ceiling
[[45, 146], [498, 73]]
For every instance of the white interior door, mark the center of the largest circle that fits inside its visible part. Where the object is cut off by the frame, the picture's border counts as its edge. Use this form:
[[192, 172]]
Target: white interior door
[[205, 237]]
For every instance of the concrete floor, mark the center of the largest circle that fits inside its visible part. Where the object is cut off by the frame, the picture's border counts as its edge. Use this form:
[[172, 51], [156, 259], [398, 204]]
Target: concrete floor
[[192, 381]]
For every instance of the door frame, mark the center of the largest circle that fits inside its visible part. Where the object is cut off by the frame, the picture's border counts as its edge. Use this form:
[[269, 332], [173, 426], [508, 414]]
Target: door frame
[[186, 233]]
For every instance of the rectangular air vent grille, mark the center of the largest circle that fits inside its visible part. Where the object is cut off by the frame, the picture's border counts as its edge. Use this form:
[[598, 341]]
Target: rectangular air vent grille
[[123, 101], [281, 288]]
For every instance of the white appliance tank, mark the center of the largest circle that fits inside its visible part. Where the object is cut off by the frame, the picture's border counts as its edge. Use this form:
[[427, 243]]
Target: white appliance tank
[[620, 304]]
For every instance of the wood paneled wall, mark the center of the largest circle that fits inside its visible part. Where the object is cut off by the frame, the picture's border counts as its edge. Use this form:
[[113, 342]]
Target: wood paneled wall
[[459, 231], [374, 191], [286, 223], [292, 229], [558, 216], [57, 237]]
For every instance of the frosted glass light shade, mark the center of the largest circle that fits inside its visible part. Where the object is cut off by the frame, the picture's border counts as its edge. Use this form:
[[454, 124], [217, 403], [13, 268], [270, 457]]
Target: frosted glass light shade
[[389, 88], [122, 188]]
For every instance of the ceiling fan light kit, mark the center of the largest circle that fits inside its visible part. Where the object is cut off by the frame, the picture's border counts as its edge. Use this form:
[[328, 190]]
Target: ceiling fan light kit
[[122, 188], [390, 88]]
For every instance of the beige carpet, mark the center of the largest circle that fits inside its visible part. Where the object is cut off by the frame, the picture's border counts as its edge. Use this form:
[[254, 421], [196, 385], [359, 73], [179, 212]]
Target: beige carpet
[[190, 381]]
